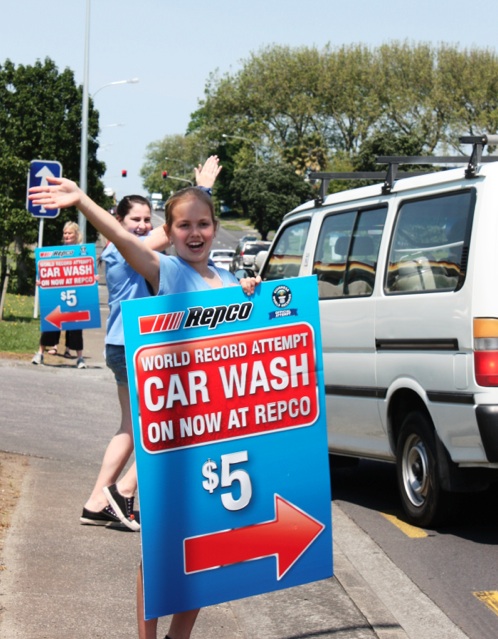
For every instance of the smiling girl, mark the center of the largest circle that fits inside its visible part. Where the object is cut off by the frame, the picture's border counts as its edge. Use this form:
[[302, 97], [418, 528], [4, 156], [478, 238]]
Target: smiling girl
[[190, 227]]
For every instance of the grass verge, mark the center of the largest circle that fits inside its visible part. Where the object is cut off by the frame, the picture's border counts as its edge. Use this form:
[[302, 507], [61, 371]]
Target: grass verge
[[19, 331]]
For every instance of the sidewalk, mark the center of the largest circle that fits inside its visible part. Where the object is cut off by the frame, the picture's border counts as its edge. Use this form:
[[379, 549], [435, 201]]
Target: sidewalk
[[64, 580]]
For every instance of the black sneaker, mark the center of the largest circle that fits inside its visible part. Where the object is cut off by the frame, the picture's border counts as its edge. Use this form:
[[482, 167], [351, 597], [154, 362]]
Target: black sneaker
[[102, 518], [123, 507]]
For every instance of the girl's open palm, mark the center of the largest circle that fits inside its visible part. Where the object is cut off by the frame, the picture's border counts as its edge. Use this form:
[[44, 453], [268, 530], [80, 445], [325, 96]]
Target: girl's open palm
[[58, 194]]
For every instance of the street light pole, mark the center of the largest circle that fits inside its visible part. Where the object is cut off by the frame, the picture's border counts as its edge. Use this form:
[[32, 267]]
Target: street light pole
[[186, 166], [173, 177], [84, 122], [240, 137], [113, 84], [84, 117]]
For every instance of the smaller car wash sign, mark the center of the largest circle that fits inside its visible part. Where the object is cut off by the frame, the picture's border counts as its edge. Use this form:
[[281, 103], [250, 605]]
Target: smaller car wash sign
[[230, 441], [68, 287]]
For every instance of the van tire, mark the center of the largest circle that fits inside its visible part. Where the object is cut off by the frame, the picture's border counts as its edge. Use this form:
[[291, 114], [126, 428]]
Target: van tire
[[424, 501]]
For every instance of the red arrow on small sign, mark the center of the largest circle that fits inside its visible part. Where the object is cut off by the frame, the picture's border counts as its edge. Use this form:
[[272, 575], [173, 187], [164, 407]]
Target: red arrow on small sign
[[57, 317], [287, 536]]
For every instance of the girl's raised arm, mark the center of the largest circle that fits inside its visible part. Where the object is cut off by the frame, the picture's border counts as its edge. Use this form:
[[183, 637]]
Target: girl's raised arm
[[62, 193]]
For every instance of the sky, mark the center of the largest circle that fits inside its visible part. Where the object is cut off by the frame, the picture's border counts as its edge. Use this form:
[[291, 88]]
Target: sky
[[173, 47]]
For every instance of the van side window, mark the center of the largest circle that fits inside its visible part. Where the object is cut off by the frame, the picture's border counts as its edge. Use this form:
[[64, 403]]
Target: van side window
[[429, 248], [346, 255], [287, 254]]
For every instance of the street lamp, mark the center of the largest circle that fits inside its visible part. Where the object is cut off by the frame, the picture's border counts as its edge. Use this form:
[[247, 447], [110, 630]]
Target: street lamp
[[112, 84], [84, 122], [186, 166], [240, 137], [84, 117], [174, 177]]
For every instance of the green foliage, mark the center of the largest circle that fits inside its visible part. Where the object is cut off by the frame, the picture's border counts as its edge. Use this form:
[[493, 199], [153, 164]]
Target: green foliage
[[40, 118], [19, 332], [306, 105], [387, 142], [176, 154], [333, 109], [267, 192]]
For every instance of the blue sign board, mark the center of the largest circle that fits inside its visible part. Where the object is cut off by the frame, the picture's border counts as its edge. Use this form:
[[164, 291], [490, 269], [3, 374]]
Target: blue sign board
[[39, 170], [229, 423], [68, 287]]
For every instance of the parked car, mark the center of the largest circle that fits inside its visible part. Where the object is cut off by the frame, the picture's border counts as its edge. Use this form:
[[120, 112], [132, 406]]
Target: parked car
[[248, 238], [222, 257], [245, 254], [407, 274]]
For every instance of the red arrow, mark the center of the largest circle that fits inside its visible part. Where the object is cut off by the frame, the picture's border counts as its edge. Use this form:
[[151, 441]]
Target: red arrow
[[287, 537], [57, 317]]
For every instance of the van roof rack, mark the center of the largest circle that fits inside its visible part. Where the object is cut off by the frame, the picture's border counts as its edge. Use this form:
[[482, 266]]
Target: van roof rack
[[393, 161]]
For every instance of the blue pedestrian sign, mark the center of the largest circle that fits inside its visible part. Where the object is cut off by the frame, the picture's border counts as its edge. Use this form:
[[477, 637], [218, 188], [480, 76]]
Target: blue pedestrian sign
[[39, 170]]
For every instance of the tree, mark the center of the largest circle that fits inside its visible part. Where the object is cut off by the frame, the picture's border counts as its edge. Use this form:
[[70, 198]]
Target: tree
[[334, 109], [267, 191], [176, 154], [40, 118], [467, 92], [308, 106]]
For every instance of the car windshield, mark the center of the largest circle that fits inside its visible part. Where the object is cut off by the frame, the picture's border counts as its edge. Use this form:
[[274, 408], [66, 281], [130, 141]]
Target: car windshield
[[253, 249]]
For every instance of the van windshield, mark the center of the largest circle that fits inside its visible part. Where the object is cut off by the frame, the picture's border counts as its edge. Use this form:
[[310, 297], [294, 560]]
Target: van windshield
[[288, 249]]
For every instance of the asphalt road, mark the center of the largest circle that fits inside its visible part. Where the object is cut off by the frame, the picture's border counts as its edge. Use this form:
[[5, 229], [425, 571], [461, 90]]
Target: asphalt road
[[65, 580], [454, 564]]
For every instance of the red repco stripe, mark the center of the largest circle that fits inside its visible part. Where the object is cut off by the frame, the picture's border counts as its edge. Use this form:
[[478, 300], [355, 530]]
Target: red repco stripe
[[160, 323]]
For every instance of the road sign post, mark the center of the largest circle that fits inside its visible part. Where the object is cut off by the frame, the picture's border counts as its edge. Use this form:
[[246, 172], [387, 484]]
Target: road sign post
[[230, 437], [38, 172]]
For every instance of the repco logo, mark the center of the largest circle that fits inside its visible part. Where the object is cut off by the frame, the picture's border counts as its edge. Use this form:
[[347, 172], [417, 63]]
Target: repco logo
[[214, 315]]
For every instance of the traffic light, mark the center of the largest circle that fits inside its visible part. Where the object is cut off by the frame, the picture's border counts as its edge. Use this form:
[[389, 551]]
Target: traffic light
[[165, 174], [124, 173]]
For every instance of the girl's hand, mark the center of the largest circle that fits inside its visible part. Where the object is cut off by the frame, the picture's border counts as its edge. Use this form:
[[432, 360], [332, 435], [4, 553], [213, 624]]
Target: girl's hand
[[206, 175], [158, 239], [60, 193], [249, 284]]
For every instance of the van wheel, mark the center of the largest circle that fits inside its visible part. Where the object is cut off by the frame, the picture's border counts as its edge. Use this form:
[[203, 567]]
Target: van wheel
[[424, 501]]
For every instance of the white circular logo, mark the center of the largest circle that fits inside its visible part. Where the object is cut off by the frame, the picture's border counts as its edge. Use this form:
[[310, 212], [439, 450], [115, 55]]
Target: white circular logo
[[282, 296]]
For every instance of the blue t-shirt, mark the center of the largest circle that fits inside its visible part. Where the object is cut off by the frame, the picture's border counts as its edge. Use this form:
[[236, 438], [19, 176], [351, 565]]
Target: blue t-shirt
[[177, 276], [123, 283]]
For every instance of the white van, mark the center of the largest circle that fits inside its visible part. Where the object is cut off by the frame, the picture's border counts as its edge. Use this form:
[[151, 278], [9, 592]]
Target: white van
[[408, 284]]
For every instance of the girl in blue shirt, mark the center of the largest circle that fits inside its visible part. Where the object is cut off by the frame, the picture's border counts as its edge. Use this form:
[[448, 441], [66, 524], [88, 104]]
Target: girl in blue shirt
[[190, 226], [112, 500]]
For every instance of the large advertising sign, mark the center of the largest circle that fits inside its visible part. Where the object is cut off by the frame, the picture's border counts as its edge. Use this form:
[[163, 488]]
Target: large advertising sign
[[68, 287], [230, 440]]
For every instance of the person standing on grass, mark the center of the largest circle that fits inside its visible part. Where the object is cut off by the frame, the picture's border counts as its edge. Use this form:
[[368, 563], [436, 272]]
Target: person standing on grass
[[49, 340]]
